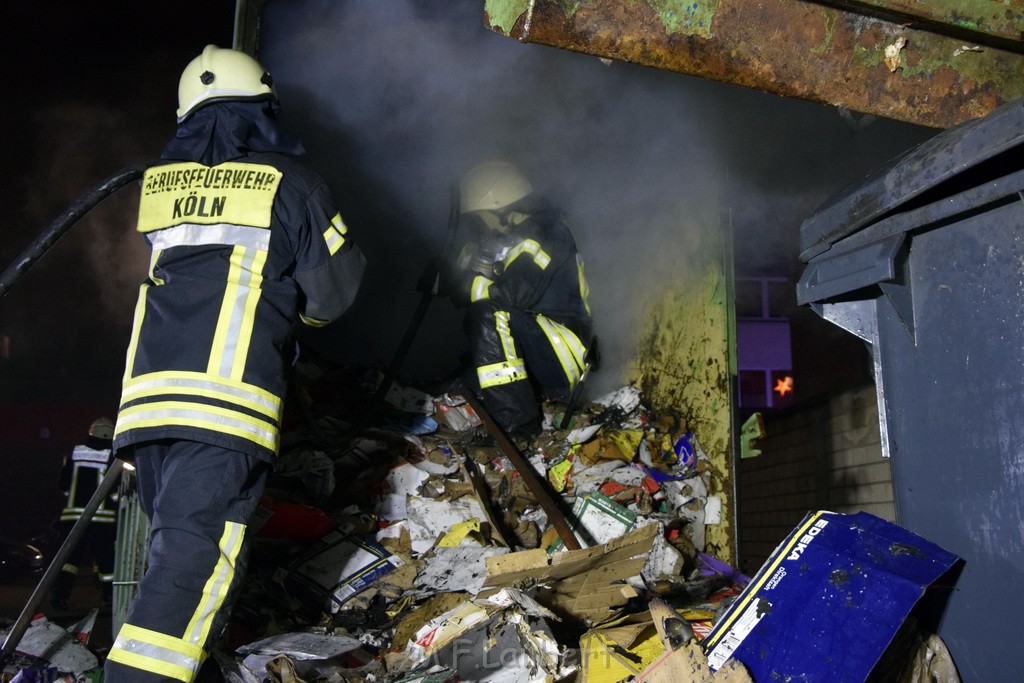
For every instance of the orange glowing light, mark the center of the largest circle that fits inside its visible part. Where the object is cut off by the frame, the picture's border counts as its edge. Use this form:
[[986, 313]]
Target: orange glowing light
[[784, 385]]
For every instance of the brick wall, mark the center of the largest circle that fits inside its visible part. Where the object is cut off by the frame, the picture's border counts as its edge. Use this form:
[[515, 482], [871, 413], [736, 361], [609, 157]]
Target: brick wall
[[820, 455]]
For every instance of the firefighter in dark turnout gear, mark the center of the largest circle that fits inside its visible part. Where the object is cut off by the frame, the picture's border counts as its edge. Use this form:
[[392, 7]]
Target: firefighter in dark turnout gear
[[80, 475], [247, 243], [523, 281]]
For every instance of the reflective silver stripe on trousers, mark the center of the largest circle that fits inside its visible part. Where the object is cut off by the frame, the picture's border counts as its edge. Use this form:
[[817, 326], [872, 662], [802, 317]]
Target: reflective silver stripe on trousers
[[506, 369], [213, 594], [160, 654], [504, 330], [193, 235], [567, 347]]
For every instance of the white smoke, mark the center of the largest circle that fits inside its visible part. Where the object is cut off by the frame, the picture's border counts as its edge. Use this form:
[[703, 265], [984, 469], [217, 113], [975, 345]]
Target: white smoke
[[395, 99]]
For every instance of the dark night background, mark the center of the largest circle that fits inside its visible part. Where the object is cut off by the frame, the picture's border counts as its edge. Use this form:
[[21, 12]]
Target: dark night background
[[389, 97], [90, 88]]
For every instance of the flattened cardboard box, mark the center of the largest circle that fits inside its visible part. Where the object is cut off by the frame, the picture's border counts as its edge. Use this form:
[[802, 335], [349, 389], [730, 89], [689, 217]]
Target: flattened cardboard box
[[829, 600], [591, 584]]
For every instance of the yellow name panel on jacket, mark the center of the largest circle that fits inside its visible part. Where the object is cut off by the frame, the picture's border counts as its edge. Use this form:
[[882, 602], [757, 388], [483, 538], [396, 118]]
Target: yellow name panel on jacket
[[235, 193]]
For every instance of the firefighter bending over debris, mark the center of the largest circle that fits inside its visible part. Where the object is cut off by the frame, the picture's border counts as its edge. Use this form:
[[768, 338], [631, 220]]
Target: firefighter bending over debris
[[527, 319], [246, 242], [80, 476]]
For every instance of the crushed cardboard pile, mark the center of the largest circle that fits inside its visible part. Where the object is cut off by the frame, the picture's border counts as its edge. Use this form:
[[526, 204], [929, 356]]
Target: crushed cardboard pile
[[419, 547], [441, 551]]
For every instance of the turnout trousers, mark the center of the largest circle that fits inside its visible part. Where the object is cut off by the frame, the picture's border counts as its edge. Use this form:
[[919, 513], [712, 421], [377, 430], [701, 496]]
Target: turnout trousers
[[198, 499], [516, 354]]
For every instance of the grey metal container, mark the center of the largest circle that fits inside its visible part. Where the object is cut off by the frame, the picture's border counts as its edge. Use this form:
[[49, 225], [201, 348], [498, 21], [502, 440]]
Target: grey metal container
[[924, 260]]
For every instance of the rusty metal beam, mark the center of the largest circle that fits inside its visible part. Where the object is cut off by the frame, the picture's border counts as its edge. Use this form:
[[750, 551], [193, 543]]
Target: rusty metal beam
[[787, 47], [987, 22]]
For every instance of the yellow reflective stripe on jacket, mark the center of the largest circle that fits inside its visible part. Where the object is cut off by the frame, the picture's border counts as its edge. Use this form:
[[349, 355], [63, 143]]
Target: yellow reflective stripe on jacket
[[238, 313], [86, 458], [567, 346], [154, 258], [481, 288], [216, 588], [201, 416], [157, 653], [584, 286], [133, 343], [248, 316], [540, 257], [72, 512], [513, 368], [200, 384], [334, 235]]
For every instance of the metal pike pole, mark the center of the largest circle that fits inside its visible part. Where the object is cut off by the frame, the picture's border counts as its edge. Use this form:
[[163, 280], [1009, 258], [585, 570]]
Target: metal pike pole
[[537, 487], [69, 544]]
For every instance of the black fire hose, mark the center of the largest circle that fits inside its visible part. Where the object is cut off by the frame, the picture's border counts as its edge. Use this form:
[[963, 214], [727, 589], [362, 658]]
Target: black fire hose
[[63, 223], [57, 563]]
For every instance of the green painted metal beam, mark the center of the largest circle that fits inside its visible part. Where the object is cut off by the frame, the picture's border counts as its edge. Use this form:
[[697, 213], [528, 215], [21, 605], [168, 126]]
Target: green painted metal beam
[[788, 47]]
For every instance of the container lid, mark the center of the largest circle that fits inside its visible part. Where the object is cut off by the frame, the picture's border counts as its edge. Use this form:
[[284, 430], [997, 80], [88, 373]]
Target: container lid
[[924, 167]]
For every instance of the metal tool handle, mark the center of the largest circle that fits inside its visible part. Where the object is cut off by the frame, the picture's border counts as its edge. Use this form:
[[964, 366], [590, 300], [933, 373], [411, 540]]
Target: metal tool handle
[[536, 486]]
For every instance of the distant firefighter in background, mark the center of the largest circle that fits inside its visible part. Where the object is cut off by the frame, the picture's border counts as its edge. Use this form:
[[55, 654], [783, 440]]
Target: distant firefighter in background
[[80, 476], [522, 280]]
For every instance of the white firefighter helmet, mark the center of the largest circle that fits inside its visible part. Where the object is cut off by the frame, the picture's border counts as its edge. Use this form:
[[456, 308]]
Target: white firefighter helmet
[[492, 186], [221, 74], [102, 428]]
